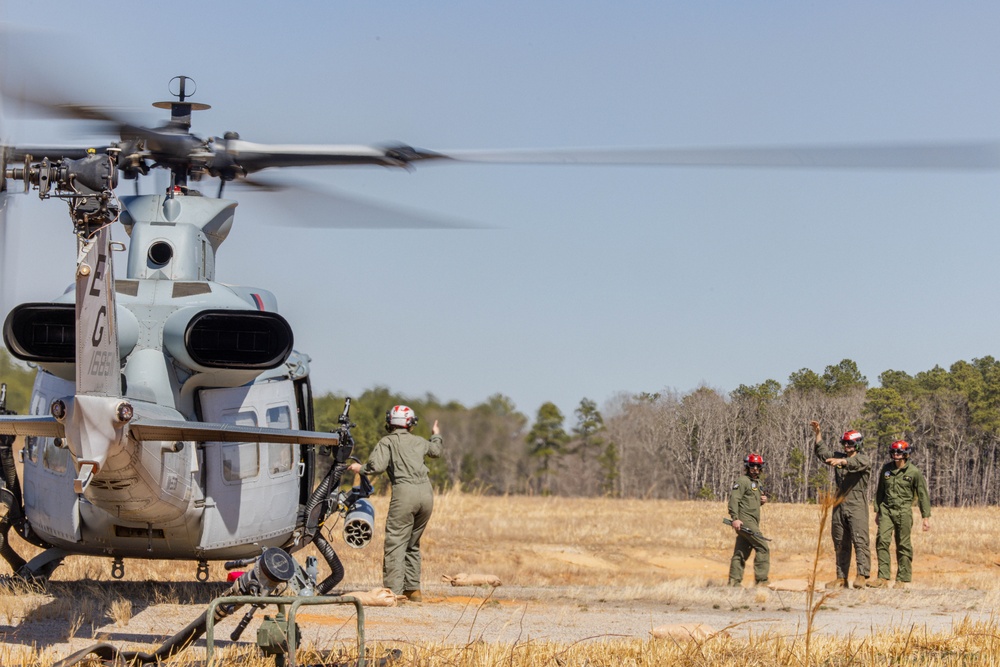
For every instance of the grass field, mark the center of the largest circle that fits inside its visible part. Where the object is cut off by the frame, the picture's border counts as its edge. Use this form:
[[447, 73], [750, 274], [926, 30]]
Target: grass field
[[673, 555]]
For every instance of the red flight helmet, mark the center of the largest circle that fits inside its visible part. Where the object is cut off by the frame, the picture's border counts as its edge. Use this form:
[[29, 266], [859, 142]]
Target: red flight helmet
[[901, 446], [852, 438], [754, 460]]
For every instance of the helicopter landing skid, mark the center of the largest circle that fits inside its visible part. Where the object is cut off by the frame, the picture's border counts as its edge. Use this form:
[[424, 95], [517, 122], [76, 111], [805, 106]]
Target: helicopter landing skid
[[41, 567]]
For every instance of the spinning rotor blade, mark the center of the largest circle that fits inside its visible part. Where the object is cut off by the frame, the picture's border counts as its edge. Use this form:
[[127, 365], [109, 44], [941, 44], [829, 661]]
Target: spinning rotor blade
[[973, 155], [58, 109], [321, 208], [250, 157]]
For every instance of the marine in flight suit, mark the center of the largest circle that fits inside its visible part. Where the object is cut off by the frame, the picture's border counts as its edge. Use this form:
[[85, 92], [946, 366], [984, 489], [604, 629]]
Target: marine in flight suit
[[745, 500], [899, 484], [849, 519], [401, 454]]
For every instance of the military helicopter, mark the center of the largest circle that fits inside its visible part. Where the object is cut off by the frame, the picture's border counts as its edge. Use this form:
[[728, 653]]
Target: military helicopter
[[171, 416]]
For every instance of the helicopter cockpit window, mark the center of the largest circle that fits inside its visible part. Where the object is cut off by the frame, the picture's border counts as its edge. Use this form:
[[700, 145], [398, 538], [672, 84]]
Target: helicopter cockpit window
[[279, 455], [240, 460]]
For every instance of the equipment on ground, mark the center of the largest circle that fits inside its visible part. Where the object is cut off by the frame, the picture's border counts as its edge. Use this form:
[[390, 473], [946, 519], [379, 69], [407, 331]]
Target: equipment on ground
[[275, 579]]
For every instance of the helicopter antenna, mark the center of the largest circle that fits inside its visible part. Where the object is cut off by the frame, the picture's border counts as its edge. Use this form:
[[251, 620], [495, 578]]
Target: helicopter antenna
[[182, 87]]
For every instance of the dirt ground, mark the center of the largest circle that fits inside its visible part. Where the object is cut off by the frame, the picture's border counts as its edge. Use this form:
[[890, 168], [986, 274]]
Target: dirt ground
[[508, 614]]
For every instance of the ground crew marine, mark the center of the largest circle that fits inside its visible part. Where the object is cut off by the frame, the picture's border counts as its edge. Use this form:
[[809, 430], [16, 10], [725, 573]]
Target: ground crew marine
[[899, 483], [401, 454], [849, 519], [745, 500]]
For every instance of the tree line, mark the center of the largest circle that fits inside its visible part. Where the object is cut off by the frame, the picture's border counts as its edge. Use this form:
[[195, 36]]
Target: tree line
[[691, 445]]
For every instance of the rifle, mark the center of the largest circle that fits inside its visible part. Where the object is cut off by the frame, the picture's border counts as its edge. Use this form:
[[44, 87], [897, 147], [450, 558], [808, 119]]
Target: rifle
[[748, 531]]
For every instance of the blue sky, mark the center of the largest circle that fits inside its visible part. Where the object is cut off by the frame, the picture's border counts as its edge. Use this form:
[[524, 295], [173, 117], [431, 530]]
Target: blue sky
[[588, 281]]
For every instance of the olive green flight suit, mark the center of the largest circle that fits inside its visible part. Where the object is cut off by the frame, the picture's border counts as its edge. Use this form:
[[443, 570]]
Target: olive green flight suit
[[849, 520], [744, 504], [897, 488], [401, 455]]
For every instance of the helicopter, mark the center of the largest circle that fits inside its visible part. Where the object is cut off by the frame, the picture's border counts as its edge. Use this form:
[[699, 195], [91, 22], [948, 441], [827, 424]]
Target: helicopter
[[171, 415]]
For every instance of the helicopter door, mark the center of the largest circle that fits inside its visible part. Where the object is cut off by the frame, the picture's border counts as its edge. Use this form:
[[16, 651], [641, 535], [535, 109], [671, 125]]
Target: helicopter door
[[50, 503], [252, 488]]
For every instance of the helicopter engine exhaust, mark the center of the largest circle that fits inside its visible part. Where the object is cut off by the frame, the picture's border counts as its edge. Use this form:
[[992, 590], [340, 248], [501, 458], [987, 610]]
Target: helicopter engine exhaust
[[228, 339]]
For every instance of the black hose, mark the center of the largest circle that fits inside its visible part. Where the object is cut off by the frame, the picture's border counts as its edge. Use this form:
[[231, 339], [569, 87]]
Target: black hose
[[321, 493], [10, 471], [333, 560], [14, 516]]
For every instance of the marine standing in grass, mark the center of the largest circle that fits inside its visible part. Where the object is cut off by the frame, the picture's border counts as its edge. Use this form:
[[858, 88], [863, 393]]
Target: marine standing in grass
[[899, 483], [745, 500], [401, 455], [849, 520]]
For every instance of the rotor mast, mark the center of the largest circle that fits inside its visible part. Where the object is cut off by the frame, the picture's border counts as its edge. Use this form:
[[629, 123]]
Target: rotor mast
[[181, 87]]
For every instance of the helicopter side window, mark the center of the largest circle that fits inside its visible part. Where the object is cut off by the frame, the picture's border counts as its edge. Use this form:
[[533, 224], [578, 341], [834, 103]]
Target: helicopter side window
[[279, 455], [54, 458], [39, 405], [240, 460]]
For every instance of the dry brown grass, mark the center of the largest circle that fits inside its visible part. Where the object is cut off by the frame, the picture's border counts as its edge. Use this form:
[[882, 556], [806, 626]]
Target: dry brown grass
[[531, 541], [676, 553]]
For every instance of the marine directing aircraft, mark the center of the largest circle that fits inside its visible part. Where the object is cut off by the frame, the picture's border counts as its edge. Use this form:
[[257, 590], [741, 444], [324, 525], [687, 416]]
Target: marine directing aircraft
[[171, 416]]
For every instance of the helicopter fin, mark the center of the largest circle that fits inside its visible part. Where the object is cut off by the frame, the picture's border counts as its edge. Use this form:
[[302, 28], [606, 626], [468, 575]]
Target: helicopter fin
[[93, 428], [98, 364]]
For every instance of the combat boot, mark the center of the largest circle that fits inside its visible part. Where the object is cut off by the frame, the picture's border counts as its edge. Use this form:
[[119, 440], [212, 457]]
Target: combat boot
[[860, 582], [413, 596], [879, 583], [761, 583], [836, 583]]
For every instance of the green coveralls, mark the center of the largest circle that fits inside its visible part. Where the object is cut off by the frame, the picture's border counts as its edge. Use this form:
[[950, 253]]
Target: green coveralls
[[897, 487], [849, 521], [744, 504], [401, 455]]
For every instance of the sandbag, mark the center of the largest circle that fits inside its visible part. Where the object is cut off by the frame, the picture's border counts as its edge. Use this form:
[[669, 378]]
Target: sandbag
[[376, 597], [463, 579]]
